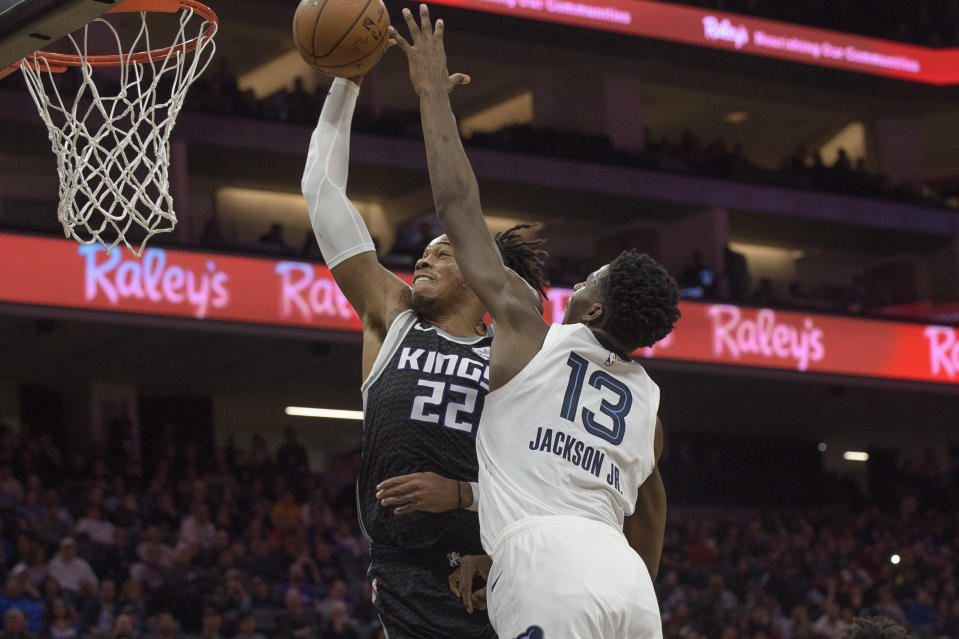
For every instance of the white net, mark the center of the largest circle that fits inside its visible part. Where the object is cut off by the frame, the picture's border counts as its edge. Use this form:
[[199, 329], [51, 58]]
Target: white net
[[112, 140]]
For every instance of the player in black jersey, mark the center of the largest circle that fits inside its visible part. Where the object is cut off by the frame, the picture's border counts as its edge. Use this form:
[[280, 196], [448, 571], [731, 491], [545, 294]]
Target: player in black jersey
[[425, 366]]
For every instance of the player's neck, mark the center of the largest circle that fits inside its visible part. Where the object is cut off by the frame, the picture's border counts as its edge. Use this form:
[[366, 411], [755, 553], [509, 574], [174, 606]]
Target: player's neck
[[609, 342], [458, 324]]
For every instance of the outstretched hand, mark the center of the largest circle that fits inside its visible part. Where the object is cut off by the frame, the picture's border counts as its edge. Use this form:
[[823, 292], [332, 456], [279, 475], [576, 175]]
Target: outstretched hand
[[426, 55]]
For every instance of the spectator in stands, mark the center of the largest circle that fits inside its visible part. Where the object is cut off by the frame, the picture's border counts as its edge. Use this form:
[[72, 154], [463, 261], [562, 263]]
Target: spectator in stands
[[921, 614], [10, 485], [296, 622], [286, 514], [132, 605], [698, 280], [842, 162], [310, 249], [98, 614], [737, 274], [211, 235], [59, 623], [766, 294], [338, 595], [339, 626], [55, 520], [33, 564], [8, 551], [260, 593], [197, 530], [15, 596], [163, 513], [273, 238], [364, 611], [127, 513], [125, 627], [888, 607], [50, 589], [153, 543], [149, 571], [211, 625], [829, 624], [292, 456], [94, 527], [247, 627], [299, 103], [69, 570], [310, 593], [15, 625], [164, 627]]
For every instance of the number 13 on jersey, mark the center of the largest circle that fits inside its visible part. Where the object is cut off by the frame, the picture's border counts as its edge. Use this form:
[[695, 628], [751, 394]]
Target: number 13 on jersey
[[615, 429]]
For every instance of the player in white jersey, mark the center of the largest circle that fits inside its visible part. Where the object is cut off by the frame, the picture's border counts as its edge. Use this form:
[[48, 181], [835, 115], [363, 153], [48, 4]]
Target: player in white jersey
[[569, 439]]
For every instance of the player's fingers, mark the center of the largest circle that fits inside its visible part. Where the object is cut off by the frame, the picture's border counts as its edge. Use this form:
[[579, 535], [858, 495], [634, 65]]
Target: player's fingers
[[397, 492], [396, 500], [405, 509], [392, 491], [393, 482], [460, 79], [479, 599], [411, 23], [399, 40], [454, 580], [466, 588], [467, 597], [425, 25], [438, 29]]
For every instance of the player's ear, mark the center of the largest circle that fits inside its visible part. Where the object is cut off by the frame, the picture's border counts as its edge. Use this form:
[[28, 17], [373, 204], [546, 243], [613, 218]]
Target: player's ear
[[595, 314]]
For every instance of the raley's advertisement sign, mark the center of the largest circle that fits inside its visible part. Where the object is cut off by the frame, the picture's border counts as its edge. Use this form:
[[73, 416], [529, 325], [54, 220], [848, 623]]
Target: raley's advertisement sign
[[282, 292], [739, 34]]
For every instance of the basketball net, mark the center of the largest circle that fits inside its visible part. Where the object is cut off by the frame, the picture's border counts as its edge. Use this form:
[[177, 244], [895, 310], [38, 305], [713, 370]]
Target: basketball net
[[113, 148]]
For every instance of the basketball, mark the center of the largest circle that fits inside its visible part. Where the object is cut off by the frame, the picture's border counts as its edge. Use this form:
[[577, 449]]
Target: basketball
[[343, 38]]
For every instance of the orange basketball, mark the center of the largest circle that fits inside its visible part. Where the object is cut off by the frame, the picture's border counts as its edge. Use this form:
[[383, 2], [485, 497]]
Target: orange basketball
[[341, 37]]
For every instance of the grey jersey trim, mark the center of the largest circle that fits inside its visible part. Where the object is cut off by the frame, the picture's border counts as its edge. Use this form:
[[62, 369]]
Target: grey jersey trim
[[394, 337], [453, 338]]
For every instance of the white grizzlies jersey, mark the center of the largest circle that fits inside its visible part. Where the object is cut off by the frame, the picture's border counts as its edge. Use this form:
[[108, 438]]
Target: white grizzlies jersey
[[571, 434]]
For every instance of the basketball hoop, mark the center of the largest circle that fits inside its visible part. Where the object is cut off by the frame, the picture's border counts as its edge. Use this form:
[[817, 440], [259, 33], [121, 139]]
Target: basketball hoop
[[113, 147]]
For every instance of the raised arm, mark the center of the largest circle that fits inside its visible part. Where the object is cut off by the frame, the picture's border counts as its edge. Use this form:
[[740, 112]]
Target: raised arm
[[645, 528], [376, 294], [455, 190]]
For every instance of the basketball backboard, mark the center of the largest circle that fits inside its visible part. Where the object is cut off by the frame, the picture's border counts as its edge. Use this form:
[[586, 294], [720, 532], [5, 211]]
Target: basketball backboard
[[28, 25]]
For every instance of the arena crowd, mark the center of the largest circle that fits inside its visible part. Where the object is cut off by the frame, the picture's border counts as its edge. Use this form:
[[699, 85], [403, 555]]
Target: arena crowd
[[249, 543]]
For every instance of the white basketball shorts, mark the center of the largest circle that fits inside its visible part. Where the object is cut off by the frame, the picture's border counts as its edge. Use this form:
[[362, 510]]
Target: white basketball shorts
[[569, 578]]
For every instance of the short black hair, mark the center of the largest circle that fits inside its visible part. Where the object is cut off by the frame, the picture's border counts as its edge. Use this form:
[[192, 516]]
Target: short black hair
[[641, 299], [875, 628], [525, 257]]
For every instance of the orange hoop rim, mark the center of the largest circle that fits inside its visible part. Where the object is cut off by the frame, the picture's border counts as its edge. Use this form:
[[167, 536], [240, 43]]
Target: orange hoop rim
[[58, 62]]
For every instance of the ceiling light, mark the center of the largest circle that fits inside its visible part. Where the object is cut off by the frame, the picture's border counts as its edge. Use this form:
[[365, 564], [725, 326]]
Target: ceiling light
[[822, 447], [895, 559], [326, 413], [855, 455], [736, 117]]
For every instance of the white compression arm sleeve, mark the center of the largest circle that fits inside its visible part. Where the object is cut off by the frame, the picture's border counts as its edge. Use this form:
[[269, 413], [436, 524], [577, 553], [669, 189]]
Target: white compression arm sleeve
[[474, 486], [340, 230]]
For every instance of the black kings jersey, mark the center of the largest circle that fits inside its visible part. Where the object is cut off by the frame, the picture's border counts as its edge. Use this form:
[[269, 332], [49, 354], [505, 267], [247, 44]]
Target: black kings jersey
[[422, 403]]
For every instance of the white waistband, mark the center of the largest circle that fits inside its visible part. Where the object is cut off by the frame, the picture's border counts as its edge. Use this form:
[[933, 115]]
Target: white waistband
[[559, 522]]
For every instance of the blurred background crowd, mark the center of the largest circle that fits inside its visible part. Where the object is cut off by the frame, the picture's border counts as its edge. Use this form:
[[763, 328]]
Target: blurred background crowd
[[248, 543]]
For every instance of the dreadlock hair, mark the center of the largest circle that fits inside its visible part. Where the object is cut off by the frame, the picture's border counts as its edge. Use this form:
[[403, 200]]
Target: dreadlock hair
[[642, 300], [523, 256], [875, 628]]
